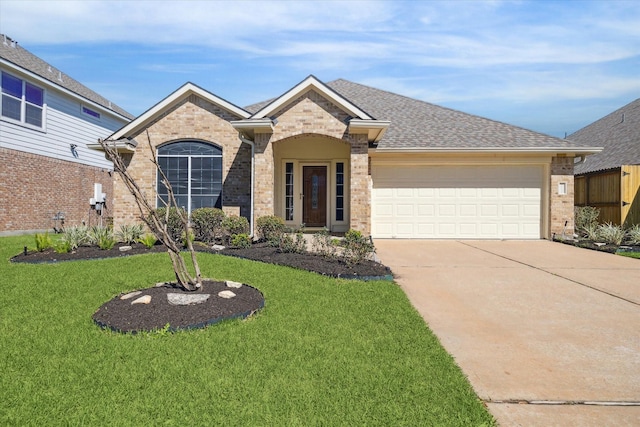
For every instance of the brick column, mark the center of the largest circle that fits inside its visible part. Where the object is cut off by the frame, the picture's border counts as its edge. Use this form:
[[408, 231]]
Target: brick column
[[360, 190], [561, 205], [264, 169]]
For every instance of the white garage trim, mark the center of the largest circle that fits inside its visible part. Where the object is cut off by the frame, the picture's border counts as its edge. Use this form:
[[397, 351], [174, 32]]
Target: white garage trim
[[473, 201]]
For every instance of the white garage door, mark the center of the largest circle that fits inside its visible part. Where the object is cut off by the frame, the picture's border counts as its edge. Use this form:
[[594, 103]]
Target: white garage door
[[476, 202]]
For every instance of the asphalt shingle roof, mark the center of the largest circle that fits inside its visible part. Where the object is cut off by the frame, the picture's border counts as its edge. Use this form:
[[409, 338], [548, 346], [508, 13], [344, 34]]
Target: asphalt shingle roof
[[12, 52], [618, 133], [421, 125]]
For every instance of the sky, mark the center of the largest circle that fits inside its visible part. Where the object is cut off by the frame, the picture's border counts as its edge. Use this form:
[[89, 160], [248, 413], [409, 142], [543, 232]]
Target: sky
[[550, 66]]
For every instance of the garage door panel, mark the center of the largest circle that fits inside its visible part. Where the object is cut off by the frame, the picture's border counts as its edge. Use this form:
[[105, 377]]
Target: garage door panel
[[487, 201]]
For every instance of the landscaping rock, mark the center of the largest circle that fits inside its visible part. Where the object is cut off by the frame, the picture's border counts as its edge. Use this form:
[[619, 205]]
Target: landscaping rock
[[226, 294], [142, 300], [186, 299], [125, 248], [232, 284], [218, 247], [131, 295]]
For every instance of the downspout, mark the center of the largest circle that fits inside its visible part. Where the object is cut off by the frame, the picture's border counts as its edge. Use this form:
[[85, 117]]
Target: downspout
[[253, 175]]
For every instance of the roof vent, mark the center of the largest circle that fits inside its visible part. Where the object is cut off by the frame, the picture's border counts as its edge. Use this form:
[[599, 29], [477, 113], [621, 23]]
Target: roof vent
[[49, 69], [59, 76], [5, 40]]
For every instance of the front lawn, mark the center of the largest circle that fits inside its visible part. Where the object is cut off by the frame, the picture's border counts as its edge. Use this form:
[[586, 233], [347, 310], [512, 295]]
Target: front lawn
[[322, 352]]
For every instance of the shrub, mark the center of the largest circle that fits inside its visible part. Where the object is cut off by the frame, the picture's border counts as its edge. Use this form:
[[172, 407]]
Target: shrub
[[585, 217], [633, 235], [292, 241], [234, 224], [270, 227], [357, 247], [591, 232], [323, 245], [192, 237], [75, 237], [62, 247], [43, 242], [102, 237], [148, 240], [610, 233], [207, 224], [129, 233], [241, 241], [174, 225]]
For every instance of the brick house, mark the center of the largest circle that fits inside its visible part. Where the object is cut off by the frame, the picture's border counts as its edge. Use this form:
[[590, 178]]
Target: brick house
[[343, 155], [46, 120]]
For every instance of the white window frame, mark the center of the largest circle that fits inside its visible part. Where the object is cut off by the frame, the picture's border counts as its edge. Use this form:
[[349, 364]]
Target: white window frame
[[23, 104]]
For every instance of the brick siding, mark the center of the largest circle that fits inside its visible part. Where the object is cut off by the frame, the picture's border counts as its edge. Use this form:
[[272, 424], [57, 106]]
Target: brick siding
[[34, 188], [561, 206]]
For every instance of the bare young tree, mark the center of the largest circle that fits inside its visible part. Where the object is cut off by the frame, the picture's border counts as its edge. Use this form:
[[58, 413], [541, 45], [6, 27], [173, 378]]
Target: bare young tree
[[157, 224]]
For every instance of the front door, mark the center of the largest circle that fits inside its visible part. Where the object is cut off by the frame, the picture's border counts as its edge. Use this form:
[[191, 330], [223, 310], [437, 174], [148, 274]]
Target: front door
[[314, 190]]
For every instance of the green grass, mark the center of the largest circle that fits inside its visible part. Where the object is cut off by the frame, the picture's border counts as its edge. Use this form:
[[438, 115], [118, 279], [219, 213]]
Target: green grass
[[630, 254], [322, 352]]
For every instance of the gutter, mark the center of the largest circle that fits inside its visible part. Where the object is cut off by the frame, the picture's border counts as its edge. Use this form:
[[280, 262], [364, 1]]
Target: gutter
[[253, 176], [533, 150]]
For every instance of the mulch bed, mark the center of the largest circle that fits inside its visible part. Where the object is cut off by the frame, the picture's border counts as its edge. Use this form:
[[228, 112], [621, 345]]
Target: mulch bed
[[122, 316], [595, 246]]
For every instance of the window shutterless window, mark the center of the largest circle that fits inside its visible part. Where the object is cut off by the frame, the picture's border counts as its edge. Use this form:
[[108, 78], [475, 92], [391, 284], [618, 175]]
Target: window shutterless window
[[194, 170], [89, 112], [340, 191], [22, 101], [288, 192]]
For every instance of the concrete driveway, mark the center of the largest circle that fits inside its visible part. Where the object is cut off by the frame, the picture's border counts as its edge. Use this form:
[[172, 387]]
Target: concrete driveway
[[547, 334]]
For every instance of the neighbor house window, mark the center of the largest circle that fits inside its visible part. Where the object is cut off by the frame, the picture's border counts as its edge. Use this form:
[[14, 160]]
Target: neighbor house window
[[288, 192], [22, 101], [89, 112], [194, 170], [340, 191]]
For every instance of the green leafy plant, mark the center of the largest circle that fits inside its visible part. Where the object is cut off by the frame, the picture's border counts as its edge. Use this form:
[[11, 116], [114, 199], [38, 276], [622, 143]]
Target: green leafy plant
[[62, 247], [174, 224], [102, 237], [292, 241], [207, 224], [357, 247], [585, 217], [148, 240], [241, 241], [633, 235], [234, 224], [192, 238], [610, 233], [590, 232], [75, 236], [270, 228], [43, 242], [322, 244], [129, 233]]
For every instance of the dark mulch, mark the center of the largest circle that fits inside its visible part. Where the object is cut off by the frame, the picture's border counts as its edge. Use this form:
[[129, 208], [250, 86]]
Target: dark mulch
[[121, 316], [595, 246]]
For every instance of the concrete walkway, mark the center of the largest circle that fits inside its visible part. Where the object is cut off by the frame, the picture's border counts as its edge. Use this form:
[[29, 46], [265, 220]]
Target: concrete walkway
[[547, 334]]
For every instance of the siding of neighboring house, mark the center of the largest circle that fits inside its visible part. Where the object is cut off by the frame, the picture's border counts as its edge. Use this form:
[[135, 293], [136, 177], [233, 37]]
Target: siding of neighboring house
[[40, 174]]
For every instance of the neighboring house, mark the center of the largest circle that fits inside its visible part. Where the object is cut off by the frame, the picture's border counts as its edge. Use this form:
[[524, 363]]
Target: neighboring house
[[342, 155], [610, 180], [46, 119]]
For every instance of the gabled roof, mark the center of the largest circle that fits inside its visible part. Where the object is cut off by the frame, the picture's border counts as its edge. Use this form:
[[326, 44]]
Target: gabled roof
[[618, 133], [359, 121], [421, 126], [186, 90], [14, 56]]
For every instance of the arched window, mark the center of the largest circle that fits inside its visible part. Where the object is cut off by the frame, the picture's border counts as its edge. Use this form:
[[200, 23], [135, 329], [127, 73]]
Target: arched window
[[194, 170]]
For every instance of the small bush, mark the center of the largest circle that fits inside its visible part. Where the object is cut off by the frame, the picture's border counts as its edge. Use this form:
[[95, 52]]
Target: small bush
[[207, 224], [591, 232], [192, 237], [174, 224], [322, 244], [270, 227], [585, 217], [148, 240], [357, 248], [62, 247], [241, 241], [43, 242], [633, 235], [234, 224], [129, 233], [75, 237], [292, 241], [610, 233], [102, 237]]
